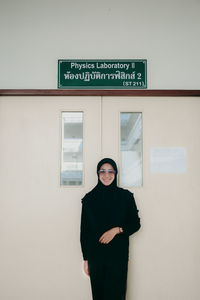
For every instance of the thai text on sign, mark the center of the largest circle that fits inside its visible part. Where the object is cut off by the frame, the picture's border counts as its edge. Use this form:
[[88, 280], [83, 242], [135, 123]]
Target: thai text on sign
[[89, 74]]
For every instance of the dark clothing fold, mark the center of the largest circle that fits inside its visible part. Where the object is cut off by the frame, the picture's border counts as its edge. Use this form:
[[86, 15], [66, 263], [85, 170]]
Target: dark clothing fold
[[101, 211], [108, 279]]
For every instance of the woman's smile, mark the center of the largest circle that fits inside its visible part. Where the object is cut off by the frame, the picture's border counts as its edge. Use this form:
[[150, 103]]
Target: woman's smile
[[106, 174]]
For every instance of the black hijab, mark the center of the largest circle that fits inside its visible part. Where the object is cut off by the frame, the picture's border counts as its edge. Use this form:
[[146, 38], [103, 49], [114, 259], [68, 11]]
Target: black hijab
[[113, 185], [103, 198]]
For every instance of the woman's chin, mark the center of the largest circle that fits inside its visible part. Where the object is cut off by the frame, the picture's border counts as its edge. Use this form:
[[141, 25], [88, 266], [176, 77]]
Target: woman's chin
[[107, 182]]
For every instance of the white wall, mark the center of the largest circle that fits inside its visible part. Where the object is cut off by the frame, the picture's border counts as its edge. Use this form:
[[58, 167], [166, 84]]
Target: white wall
[[40, 255], [35, 34]]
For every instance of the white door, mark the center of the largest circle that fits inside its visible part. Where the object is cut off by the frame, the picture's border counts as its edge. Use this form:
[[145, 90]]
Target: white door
[[40, 218], [163, 254]]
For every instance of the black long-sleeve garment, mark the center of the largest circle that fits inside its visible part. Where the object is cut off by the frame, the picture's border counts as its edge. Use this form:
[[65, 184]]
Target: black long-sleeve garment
[[100, 213]]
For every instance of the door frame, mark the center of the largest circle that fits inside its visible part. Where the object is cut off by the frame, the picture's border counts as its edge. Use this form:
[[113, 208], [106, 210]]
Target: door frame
[[128, 93]]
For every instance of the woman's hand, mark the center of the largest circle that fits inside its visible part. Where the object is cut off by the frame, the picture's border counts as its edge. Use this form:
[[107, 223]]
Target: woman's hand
[[86, 268], [109, 235]]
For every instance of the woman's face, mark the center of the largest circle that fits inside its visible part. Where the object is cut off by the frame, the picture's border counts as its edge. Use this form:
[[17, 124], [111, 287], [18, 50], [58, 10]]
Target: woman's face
[[106, 174]]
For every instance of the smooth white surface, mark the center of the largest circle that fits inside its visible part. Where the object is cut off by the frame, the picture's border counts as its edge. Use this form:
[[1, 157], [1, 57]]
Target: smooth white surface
[[168, 160], [40, 255], [164, 254], [35, 34]]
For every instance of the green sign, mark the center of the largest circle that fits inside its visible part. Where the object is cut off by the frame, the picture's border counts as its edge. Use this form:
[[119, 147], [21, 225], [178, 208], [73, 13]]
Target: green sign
[[102, 74]]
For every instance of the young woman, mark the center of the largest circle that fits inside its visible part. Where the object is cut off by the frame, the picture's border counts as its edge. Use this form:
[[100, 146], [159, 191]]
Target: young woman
[[109, 216]]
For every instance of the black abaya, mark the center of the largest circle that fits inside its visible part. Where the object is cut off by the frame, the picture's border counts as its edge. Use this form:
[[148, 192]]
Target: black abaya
[[103, 208]]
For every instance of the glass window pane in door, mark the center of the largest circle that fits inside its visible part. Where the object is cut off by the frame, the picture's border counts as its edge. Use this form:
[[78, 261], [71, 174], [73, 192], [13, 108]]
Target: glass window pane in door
[[131, 149], [72, 149]]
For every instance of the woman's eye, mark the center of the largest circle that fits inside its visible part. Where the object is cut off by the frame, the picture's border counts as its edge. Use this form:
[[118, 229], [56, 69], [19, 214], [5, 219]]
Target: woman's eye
[[102, 172]]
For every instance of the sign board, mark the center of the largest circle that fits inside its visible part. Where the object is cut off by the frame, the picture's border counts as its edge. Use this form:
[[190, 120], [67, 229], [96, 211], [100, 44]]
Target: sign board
[[102, 74]]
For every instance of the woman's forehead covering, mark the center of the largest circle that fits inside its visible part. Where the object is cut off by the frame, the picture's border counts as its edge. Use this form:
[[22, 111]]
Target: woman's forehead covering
[[107, 161]]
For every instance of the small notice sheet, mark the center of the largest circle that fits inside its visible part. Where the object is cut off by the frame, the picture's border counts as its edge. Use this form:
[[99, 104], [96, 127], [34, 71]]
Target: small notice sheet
[[168, 160]]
